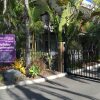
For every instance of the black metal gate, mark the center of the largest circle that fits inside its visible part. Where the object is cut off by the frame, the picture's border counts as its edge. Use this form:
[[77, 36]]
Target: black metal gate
[[83, 63]]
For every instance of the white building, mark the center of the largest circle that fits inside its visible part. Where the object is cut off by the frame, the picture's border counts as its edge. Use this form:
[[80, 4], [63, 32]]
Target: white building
[[87, 4]]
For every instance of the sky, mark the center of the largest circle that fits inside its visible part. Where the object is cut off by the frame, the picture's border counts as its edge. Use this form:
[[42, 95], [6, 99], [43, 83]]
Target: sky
[[89, 0]]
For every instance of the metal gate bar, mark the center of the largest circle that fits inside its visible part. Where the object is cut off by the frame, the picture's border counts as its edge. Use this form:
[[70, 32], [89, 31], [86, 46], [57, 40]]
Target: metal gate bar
[[83, 63]]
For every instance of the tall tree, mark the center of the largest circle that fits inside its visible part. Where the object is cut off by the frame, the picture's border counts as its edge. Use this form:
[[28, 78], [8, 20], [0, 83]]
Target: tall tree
[[27, 32], [69, 18]]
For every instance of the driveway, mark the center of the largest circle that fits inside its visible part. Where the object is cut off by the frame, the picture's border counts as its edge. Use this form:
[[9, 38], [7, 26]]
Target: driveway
[[59, 89]]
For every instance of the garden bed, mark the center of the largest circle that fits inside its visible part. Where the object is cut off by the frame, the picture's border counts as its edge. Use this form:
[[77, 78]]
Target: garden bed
[[45, 73], [16, 72]]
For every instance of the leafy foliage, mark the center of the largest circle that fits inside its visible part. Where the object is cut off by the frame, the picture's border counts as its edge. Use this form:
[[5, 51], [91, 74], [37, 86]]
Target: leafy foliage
[[62, 2], [1, 78], [68, 18], [34, 70], [39, 61], [97, 1], [18, 65]]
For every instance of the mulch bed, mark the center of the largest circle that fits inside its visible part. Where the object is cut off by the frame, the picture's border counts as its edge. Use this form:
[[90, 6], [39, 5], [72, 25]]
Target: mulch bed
[[44, 73], [4, 68], [47, 73]]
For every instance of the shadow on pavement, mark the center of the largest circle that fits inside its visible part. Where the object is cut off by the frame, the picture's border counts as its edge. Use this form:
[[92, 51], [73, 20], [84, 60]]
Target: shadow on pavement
[[65, 90], [75, 78], [82, 79], [30, 95], [52, 82], [50, 92]]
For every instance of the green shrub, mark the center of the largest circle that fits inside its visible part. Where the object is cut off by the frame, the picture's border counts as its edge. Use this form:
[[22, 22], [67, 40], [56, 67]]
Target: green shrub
[[1, 78], [18, 65], [34, 70], [40, 63]]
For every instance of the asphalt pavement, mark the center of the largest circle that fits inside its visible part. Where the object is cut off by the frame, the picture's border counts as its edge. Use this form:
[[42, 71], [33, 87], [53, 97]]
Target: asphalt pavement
[[58, 89]]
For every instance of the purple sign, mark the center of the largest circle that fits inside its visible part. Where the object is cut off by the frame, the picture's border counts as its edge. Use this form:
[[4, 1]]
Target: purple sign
[[7, 48]]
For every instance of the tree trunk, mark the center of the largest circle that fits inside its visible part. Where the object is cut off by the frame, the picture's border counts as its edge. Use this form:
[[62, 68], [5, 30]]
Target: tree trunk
[[26, 4], [61, 56], [27, 47], [5, 6]]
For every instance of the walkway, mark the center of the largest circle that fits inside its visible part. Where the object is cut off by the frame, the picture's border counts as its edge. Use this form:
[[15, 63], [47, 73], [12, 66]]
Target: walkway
[[58, 89]]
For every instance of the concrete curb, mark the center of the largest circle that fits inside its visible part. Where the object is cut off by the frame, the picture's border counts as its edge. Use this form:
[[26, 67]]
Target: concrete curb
[[27, 82]]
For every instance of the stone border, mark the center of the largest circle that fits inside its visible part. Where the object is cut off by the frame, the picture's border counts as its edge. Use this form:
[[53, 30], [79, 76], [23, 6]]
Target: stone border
[[28, 82]]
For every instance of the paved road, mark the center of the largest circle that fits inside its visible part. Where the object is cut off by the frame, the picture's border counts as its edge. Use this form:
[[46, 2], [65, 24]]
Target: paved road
[[58, 89]]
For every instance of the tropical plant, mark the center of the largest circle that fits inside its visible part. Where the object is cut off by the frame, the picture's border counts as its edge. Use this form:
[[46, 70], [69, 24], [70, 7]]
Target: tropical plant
[[73, 20], [1, 78], [40, 62], [18, 65], [70, 18], [34, 70]]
